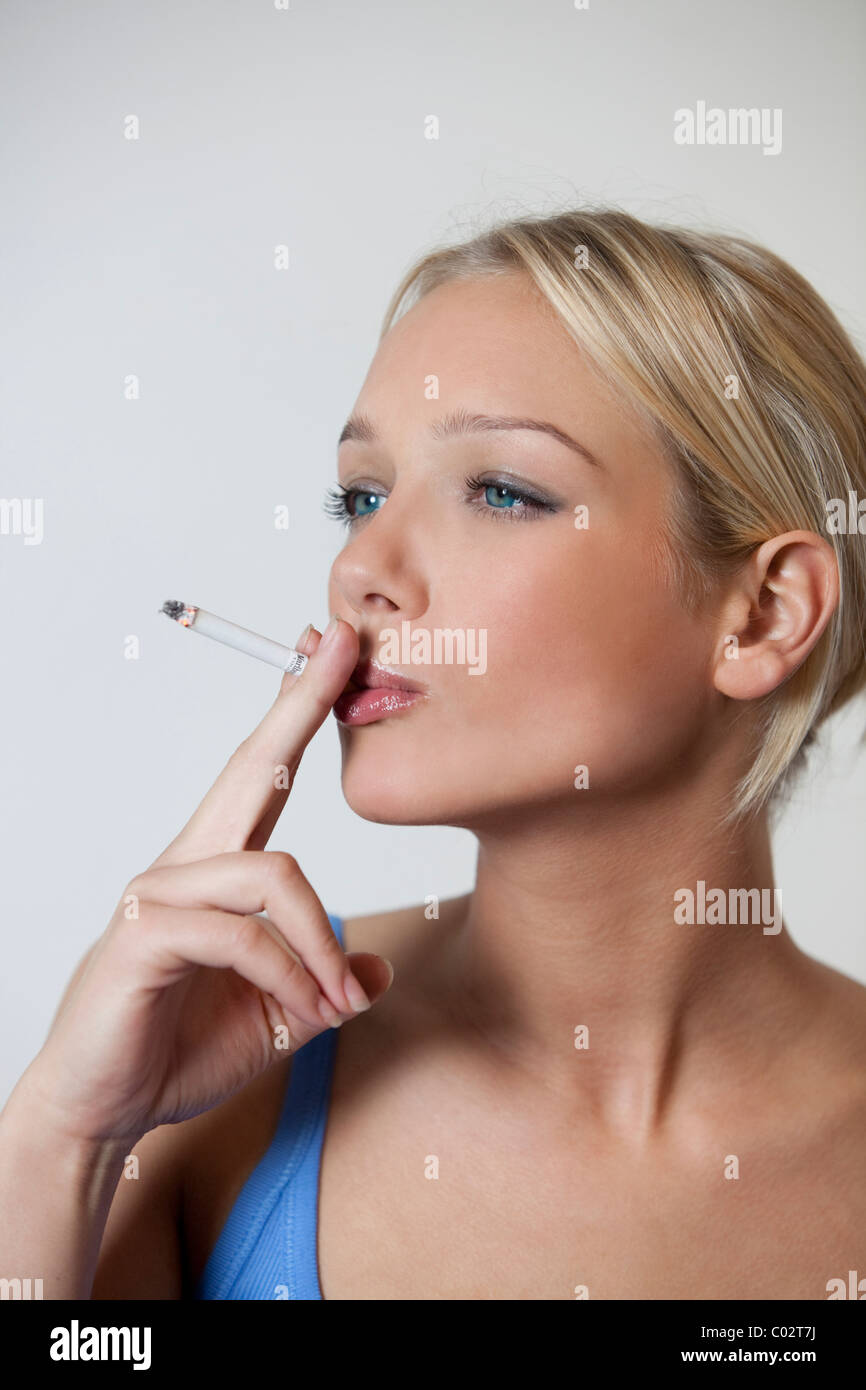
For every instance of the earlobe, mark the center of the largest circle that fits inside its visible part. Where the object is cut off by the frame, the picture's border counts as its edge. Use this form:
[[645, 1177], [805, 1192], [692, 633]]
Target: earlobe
[[779, 605]]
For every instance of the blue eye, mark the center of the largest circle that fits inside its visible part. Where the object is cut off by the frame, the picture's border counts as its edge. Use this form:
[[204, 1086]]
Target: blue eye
[[362, 502], [349, 504], [500, 496], [502, 499]]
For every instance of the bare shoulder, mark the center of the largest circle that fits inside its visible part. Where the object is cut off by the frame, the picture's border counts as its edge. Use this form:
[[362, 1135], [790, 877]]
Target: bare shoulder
[[840, 1013], [404, 935], [826, 1068]]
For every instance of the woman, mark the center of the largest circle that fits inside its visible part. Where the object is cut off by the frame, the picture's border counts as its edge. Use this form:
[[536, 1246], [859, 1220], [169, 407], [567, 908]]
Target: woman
[[605, 453]]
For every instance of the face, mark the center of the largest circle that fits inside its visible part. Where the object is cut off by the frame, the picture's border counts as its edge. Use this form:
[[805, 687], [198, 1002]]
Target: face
[[547, 563]]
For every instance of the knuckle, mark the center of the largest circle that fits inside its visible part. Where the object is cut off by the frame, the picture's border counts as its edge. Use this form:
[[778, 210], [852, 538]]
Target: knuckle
[[137, 887], [281, 867], [251, 936], [247, 936], [134, 924], [143, 918]]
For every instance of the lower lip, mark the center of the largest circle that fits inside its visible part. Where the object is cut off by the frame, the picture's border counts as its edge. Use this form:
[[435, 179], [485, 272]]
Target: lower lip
[[365, 706]]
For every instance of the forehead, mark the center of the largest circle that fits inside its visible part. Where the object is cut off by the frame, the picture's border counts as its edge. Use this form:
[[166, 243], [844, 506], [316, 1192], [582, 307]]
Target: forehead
[[496, 344]]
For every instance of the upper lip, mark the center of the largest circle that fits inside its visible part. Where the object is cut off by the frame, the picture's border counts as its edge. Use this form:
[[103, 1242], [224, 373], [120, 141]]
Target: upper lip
[[370, 675]]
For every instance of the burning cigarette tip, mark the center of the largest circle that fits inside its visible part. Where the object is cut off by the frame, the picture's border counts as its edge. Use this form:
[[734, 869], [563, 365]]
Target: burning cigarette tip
[[181, 612]]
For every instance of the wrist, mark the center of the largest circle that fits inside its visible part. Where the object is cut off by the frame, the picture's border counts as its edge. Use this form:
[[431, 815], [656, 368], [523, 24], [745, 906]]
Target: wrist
[[32, 1119]]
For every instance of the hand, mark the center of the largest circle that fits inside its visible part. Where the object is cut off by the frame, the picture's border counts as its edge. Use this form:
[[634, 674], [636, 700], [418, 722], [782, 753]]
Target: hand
[[189, 993]]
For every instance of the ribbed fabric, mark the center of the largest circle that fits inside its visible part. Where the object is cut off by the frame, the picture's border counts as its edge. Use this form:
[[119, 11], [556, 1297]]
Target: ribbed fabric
[[268, 1246]]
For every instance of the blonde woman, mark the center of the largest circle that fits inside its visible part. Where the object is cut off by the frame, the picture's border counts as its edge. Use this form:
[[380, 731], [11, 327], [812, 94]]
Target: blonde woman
[[606, 1071]]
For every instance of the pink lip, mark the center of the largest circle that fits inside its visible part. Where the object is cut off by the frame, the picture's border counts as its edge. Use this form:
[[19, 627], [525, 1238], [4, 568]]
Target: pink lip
[[365, 706], [375, 692]]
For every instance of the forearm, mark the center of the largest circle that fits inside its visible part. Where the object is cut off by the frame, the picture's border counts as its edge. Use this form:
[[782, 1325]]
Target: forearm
[[55, 1196]]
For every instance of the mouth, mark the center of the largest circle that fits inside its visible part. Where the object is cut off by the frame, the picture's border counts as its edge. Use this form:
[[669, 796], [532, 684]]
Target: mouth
[[375, 692]]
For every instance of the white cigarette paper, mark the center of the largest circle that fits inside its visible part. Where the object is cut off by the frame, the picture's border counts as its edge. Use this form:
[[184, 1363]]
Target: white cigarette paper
[[231, 635]]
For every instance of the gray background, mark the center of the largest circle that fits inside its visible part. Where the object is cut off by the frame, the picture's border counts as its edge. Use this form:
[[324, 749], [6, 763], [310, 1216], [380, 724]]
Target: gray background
[[260, 127]]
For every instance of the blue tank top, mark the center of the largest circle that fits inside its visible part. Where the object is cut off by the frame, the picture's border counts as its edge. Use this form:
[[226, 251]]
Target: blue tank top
[[268, 1247]]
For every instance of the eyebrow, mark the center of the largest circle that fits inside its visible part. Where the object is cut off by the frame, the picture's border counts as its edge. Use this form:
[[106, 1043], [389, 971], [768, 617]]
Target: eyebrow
[[462, 422]]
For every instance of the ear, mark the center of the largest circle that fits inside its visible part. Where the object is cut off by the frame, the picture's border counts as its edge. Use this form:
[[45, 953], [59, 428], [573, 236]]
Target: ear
[[776, 609]]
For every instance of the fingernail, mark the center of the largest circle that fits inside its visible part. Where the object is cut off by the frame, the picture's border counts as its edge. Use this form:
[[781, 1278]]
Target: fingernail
[[329, 1014], [355, 994], [391, 969], [303, 637], [328, 635]]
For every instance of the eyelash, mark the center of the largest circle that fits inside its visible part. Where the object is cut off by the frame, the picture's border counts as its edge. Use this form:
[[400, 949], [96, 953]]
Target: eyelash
[[337, 501]]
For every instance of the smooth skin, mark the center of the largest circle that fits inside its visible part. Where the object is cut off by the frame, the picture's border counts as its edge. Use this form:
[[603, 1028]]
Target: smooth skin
[[472, 1151], [602, 1168]]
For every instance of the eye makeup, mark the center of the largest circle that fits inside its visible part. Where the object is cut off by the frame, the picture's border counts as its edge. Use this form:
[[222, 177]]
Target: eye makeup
[[531, 503], [525, 502]]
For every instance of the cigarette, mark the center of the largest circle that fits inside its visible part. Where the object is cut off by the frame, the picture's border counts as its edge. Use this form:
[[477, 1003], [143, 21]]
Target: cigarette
[[209, 625]]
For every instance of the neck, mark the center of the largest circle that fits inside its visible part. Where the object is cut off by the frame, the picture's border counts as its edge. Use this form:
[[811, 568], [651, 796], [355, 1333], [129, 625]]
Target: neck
[[571, 925]]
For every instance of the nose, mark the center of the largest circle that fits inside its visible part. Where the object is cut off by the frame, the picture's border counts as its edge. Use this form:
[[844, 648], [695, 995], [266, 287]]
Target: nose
[[380, 570]]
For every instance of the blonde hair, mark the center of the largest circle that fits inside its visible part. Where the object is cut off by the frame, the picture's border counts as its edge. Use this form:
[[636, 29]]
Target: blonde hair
[[679, 320]]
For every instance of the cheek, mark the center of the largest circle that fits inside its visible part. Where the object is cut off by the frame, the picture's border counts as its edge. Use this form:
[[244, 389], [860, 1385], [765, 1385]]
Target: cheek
[[591, 660]]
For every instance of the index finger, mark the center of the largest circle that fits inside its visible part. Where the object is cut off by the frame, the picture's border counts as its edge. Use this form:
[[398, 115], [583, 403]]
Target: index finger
[[242, 807]]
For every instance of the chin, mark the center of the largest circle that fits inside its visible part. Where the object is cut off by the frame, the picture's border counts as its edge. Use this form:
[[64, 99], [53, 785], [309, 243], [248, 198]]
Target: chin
[[392, 786], [389, 797], [420, 789]]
